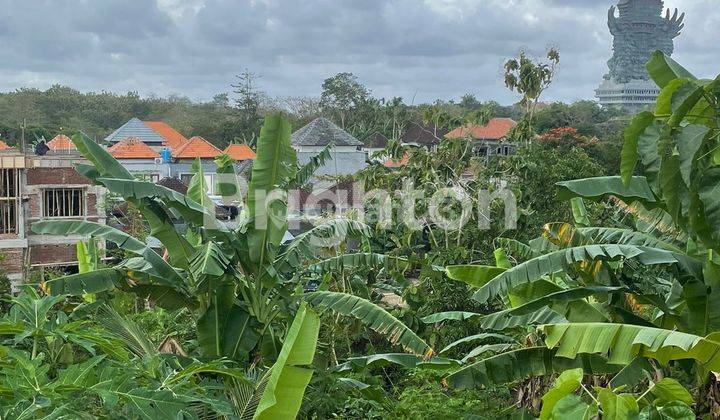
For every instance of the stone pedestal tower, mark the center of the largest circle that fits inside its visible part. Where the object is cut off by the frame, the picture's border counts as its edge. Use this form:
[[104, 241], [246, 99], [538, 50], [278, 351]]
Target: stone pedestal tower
[[639, 30]]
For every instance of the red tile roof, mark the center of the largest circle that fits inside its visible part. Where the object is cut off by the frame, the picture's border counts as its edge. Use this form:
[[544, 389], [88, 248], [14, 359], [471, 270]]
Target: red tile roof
[[173, 139], [3, 145], [398, 163], [196, 147], [496, 129], [240, 152], [133, 148], [61, 142]]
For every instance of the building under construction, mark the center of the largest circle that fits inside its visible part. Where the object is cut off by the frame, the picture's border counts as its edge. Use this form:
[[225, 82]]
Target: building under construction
[[42, 187]]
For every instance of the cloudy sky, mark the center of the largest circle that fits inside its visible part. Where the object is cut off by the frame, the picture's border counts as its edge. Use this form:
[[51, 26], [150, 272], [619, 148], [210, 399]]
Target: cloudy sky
[[417, 49]]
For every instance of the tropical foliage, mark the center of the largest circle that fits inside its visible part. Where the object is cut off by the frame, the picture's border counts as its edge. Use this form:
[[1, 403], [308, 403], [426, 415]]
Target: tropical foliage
[[640, 296]]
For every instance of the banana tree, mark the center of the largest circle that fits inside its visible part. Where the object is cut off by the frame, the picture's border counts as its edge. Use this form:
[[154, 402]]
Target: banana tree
[[239, 283], [678, 147]]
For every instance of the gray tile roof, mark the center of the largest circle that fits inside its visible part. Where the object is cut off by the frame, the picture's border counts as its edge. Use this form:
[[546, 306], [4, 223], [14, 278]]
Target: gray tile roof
[[321, 132], [136, 128]]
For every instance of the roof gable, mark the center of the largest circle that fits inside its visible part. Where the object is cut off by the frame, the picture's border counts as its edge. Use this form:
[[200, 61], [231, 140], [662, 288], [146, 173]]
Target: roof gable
[[239, 152], [322, 132], [196, 147], [173, 138], [496, 129], [136, 129], [61, 142], [423, 134], [132, 148]]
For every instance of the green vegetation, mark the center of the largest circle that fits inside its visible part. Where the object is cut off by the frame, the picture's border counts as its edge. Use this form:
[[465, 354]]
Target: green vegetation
[[603, 303]]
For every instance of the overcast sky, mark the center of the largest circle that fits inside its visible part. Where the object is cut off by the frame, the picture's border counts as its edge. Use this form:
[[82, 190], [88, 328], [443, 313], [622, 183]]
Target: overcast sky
[[420, 50]]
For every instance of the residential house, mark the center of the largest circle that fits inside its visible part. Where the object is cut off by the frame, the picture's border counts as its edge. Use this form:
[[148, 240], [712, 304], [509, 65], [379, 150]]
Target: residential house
[[490, 139], [240, 152], [61, 144], [153, 150], [34, 188], [140, 130], [423, 135], [346, 155]]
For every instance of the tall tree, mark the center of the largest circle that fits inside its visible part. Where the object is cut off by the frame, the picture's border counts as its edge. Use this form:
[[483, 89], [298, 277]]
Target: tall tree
[[343, 95], [248, 105]]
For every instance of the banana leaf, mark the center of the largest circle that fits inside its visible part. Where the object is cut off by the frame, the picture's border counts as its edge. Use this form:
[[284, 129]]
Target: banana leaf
[[164, 272], [375, 317], [290, 376], [623, 342], [517, 365]]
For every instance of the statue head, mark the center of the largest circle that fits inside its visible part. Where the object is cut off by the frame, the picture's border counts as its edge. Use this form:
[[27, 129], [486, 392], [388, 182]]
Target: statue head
[[653, 7]]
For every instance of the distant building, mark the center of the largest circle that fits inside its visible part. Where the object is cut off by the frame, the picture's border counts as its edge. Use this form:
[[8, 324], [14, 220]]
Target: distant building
[[137, 129], [240, 152], [346, 157], [61, 143], [34, 188], [153, 150], [490, 139], [428, 136]]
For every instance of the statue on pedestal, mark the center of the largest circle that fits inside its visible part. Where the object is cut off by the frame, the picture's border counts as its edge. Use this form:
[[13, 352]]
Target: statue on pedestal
[[639, 29]]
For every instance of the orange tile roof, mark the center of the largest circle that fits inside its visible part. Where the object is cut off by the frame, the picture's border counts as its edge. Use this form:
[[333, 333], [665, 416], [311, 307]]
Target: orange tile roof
[[61, 142], [398, 163], [3, 145], [196, 147], [173, 139], [133, 148], [240, 152], [496, 129]]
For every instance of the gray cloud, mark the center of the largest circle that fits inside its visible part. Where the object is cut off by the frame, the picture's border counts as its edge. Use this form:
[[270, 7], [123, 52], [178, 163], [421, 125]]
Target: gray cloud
[[418, 49]]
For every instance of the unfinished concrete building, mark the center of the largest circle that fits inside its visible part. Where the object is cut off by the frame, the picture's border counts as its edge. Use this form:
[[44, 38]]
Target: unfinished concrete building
[[34, 188]]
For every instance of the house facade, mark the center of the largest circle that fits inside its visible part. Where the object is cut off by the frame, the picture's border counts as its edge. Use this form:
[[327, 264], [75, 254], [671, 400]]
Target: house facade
[[347, 155], [489, 140], [35, 188]]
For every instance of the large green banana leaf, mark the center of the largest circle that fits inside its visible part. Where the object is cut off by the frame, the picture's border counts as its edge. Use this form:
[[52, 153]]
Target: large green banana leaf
[[275, 163], [208, 266], [407, 361], [564, 305], [227, 329], [162, 270], [227, 182], [161, 225], [375, 317], [290, 374], [198, 189], [96, 281], [563, 260], [664, 69], [520, 364], [603, 187], [478, 337], [474, 275], [602, 235], [190, 210], [623, 342], [351, 261], [307, 244]]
